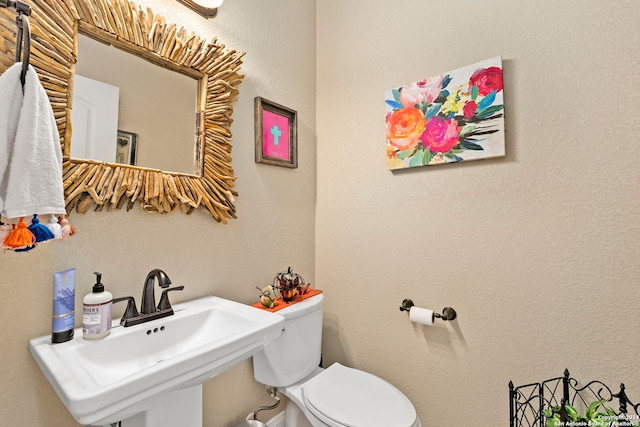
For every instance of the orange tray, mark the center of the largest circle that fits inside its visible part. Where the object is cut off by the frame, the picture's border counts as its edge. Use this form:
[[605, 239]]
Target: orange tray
[[281, 304]]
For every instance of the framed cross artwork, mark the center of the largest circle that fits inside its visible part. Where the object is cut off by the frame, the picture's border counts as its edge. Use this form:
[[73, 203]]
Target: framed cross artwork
[[276, 134]]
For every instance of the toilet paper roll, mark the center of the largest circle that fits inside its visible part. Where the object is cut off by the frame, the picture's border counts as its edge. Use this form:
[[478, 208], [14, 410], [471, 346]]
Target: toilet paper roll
[[421, 315]]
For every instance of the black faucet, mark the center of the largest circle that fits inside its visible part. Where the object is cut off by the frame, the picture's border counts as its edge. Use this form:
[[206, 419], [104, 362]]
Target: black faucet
[[148, 309], [148, 304]]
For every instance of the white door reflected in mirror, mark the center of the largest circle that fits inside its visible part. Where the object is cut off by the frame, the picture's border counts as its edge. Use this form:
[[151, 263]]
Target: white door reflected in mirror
[[156, 107], [95, 120]]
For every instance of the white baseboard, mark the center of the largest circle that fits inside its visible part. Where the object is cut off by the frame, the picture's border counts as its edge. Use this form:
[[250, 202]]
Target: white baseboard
[[277, 421]]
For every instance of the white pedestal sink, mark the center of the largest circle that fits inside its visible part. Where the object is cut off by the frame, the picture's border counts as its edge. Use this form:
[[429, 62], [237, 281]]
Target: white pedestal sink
[[151, 375]]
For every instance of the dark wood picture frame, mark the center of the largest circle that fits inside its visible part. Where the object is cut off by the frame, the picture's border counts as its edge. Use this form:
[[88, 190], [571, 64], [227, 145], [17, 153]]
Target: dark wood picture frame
[[276, 132]]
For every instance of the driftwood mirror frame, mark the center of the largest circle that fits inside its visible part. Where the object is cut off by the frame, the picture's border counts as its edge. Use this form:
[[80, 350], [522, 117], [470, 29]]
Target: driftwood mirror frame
[[54, 27]]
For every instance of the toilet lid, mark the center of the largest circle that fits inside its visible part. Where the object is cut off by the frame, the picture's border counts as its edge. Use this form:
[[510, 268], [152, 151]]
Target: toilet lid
[[342, 396]]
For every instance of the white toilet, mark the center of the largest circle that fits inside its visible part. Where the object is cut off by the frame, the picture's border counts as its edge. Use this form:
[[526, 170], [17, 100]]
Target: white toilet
[[337, 396]]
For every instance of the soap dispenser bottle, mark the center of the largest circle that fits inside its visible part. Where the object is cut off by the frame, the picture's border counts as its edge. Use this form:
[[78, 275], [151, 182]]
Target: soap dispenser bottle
[[96, 312]]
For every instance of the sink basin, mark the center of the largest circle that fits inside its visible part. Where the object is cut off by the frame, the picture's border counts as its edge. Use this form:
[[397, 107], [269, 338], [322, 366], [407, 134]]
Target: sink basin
[[107, 380]]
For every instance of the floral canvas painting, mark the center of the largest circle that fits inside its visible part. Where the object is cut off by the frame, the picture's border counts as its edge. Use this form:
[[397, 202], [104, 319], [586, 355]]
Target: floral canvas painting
[[453, 117]]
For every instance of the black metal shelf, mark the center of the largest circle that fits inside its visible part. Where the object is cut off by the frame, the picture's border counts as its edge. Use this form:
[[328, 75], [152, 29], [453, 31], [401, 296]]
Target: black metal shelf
[[527, 402]]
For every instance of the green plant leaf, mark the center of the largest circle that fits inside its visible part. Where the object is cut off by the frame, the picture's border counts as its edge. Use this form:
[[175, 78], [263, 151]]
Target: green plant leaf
[[571, 411], [474, 92], [428, 155], [468, 145], [489, 111], [432, 110], [592, 409], [442, 97], [487, 100], [396, 95], [554, 421], [404, 154], [393, 104], [453, 157], [416, 159], [467, 130], [446, 80]]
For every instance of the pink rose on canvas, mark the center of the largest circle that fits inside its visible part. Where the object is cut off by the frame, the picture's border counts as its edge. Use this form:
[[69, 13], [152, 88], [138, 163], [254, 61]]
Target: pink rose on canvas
[[441, 134], [423, 90], [487, 80], [404, 128]]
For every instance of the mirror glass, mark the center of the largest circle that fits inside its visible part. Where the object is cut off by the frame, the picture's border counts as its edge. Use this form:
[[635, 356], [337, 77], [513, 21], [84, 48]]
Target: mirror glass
[[128, 110]]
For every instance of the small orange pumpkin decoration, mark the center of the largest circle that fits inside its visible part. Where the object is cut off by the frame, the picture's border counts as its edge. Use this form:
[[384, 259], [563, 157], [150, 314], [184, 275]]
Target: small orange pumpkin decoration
[[288, 285]]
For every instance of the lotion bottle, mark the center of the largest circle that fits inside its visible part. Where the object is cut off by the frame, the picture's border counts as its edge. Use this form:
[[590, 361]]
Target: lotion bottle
[[96, 312], [64, 295]]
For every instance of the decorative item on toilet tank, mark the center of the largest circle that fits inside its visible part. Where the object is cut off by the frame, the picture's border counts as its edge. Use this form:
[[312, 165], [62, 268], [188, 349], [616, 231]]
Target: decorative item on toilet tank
[[453, 117]]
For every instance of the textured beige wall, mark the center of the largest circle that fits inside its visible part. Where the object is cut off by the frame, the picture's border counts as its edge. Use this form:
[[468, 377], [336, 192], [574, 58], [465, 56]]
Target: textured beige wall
[[538, 252], [274, 229]]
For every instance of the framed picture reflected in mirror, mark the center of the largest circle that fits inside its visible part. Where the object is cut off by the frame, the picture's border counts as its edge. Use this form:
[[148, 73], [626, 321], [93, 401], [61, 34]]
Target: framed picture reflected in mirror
[[126, 147]]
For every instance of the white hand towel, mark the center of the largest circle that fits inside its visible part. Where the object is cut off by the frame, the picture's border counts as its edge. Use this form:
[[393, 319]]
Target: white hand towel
[[32, 181], [10, 105]]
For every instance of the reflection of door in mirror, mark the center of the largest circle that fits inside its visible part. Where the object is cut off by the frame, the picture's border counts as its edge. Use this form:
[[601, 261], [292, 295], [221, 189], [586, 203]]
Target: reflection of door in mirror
[[95, 120], [156, 104]]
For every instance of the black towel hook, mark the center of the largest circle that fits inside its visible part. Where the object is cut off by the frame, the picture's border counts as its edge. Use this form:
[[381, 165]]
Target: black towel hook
[[24, 41], [23, 35]]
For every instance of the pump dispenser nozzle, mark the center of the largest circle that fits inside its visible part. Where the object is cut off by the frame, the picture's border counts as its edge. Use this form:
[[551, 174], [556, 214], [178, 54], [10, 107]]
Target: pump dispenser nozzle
[[98, 287]]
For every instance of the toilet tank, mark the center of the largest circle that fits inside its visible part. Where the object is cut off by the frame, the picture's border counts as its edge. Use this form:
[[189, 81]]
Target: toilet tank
[[296, 353]]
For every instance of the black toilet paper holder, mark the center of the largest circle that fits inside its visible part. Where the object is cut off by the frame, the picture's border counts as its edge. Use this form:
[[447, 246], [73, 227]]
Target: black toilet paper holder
[[448, 313]]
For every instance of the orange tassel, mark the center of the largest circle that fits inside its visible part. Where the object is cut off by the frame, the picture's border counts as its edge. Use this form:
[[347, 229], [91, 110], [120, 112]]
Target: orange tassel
[[19, 237], [5, 229]]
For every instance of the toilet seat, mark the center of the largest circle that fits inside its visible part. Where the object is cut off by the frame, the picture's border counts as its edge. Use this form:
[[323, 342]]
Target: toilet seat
[[346, 397]]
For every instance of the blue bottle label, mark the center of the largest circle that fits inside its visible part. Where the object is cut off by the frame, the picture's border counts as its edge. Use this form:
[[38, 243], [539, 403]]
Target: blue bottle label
[[63, 317]]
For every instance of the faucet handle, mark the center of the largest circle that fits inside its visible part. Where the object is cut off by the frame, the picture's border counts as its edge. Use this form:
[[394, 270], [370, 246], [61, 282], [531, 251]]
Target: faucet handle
[[130, 312], [164, 303]]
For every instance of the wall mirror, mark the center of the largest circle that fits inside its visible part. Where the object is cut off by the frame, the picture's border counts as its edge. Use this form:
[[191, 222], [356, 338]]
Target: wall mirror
[[57, 27], [118, 93]]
